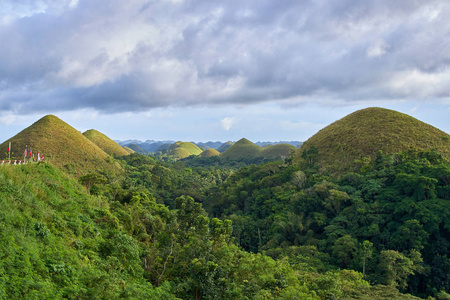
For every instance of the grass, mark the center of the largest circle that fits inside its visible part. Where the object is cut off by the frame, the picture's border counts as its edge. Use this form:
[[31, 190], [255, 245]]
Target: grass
[[242, 149], [365, 132], [181, 150], [62, 146], [210, 152], [105, 143], [278, 150], [224, 147]]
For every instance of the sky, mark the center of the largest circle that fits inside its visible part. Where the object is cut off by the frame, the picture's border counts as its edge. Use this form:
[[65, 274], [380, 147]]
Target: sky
[[209, 70]]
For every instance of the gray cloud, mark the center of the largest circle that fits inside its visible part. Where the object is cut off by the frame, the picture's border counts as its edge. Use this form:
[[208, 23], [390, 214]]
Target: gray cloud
[[113, 55]]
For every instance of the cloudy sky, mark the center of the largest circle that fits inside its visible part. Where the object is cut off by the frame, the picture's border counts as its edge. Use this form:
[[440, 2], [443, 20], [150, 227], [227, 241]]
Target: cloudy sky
[[203, 70]]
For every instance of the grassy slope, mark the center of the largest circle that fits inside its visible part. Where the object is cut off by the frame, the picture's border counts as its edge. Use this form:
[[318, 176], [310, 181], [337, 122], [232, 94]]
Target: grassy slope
[[136, 148], [105, 143], [224, 147], [181, 150], [210, 152], [278, 150], [129, 150], [62, 145], [365, 132], [242, 149]]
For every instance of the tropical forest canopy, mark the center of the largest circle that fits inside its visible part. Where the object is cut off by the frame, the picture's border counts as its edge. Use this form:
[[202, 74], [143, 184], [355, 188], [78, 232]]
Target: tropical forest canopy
[[211, 227]]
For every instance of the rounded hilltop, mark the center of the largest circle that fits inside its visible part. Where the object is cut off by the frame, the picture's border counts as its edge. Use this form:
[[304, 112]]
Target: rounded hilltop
[[242, 149], [105, 143], [62, 145], [364, 133]]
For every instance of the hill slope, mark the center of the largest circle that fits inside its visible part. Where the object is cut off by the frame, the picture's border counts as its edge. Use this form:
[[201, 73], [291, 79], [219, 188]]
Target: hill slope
[[242, 149], [278, 151], [224, 146], [62, 145], [365, 132], [210, 152], [105, 143], [181, 150]]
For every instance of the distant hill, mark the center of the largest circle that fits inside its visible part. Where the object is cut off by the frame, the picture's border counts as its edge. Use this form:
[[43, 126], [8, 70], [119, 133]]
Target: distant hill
[[129, 150], [242, 149], [62, 145], [181, 150], [224, 146], [365, 132], [210, 152], [278, 151], [208, 145], [105, 143], [135, 148], [293, 143]]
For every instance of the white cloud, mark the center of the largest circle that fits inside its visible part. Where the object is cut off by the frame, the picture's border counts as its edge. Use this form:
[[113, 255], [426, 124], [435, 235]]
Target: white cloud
[[227, 123], [377, 49], [7, 119]]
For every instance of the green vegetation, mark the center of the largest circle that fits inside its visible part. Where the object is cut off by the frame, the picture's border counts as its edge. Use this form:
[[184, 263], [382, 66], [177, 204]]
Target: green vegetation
[[281, 151], [129, 150], [210, 152], [224, 146], [63, 145], [242, 149], [136, 148], [236, 228], [357, 138], [105, 143]]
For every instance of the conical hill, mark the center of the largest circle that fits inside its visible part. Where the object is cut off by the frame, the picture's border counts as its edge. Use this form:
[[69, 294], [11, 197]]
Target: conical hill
[[181, 150], [364, 133], [210, 152], [224, 146], [278, 151], [62, 145], [242, 149], [105, 143]]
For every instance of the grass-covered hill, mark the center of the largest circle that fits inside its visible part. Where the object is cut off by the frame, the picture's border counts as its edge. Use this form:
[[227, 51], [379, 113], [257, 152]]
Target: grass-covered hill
[[224, 146], [364, 133], [278, 151], [135, 148], [242, 149], [105, 143], [209, 153], [62, 145], [129, 150], [181, 150]]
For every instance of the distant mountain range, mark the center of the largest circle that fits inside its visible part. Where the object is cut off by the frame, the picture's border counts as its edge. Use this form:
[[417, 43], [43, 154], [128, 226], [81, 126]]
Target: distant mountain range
[[151, 146]]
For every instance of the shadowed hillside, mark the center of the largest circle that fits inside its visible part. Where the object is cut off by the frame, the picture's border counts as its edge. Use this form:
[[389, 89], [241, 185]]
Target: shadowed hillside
[[364, 133], [135, 148], [62, 145], [224, 146], [105, 143]]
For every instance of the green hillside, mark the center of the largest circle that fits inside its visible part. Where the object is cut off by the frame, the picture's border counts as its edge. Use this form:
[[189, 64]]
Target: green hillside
[[278, 151], [224, 146], [364, 133], [105, 143], [61, 145], [136, 148], [129, 150], [242, 149], [181, 150], [210, 152]]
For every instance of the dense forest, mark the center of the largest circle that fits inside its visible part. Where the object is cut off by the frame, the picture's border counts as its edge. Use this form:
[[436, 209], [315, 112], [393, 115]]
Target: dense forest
[[202, 228]]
